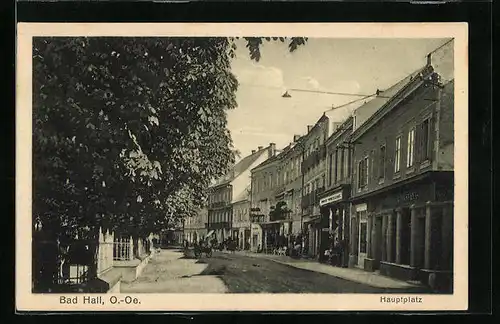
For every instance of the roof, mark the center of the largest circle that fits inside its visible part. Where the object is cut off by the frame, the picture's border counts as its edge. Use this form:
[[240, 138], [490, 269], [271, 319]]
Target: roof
[[240, 167], [244, 196], [385, 96], [268, 161], [345, 126]]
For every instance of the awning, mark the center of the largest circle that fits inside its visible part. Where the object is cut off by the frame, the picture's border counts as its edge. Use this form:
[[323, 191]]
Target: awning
[[210, 233]]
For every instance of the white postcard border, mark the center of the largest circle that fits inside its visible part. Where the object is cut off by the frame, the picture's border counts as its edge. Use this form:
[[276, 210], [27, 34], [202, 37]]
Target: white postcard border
[[26, 301]]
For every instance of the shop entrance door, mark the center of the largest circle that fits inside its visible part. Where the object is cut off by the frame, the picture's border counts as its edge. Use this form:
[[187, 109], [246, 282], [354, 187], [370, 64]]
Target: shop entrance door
[[362, 244]]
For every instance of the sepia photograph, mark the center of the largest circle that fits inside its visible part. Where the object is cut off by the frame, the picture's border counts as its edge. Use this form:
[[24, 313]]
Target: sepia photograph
[[272, 161]]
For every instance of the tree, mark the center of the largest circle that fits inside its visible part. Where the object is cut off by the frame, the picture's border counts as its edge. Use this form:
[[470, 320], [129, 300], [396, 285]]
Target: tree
[[279, 212], [129, 132]]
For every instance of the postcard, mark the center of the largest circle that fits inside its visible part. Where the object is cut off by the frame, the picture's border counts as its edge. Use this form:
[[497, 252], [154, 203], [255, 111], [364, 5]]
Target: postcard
[[241, 167]]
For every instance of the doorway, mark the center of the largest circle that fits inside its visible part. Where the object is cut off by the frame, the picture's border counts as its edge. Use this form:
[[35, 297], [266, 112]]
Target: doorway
[[362, 244]]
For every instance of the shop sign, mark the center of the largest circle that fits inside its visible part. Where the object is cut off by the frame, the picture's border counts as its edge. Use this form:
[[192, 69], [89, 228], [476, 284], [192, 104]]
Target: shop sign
[[333, 198], [408, 196]]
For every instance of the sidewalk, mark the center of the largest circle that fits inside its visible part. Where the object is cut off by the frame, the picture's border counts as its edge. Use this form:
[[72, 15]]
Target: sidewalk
[[168, 272], [373, 279]]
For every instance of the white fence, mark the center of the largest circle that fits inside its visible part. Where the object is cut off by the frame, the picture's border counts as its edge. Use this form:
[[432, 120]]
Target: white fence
[[123, 249], [105, 253]]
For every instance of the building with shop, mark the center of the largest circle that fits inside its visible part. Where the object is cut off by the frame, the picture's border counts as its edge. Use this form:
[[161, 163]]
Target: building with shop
[[314, 178], [276, 197], [334, 202], [195, 227], [402, 193], [264, 179], [231, 190], [241, 221], [288, 193]]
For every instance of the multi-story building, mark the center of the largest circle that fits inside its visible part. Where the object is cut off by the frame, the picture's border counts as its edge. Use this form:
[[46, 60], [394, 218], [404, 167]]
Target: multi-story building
[[402, 193], [231, 190], [288, 192], [264, 179], [314, 178], [241, 220], [195, 228], [334, 201]]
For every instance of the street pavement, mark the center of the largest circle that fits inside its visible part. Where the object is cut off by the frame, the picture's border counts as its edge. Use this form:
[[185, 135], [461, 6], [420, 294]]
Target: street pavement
[[170, 272], [244, 274]]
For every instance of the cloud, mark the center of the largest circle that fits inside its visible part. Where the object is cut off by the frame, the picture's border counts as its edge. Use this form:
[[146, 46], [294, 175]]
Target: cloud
[[248, 129], [253, 74], [312, 83], [263, 134]]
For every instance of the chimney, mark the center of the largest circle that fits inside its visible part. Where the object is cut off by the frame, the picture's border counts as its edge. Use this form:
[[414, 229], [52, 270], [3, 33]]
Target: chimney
[[309, 127], [260, 147], [272, 149], [253, 151], [296, 138], [429, 59]]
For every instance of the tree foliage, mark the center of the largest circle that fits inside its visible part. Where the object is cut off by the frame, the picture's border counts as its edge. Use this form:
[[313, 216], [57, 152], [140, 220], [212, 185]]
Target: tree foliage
[[129, 132], [279, 212]]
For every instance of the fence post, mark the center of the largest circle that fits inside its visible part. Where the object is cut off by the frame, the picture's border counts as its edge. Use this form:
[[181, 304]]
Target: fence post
[[131, 251], [101, 254]]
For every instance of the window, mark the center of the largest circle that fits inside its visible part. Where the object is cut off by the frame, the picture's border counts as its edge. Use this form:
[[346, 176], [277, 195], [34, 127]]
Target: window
[[397, 155], [381, 165], [341, 164], [425, 140], [411, 148], [330, 169], [347, 163], [336, 157], [363, 173]]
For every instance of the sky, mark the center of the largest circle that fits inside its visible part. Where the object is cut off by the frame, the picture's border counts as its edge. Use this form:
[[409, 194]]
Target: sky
[[357, 66]]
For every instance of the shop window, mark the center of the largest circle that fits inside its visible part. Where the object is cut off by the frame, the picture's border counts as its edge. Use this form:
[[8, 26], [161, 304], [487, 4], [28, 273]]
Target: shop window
[[405, 236], [437, 239], [363, 233]]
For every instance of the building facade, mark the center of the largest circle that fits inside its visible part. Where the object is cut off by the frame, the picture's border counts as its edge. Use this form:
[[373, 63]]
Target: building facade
[[195, 228], [264, 181], [334, 202], [229, 191], [402, 192], [314, 228], [288, 193], [241, 222]]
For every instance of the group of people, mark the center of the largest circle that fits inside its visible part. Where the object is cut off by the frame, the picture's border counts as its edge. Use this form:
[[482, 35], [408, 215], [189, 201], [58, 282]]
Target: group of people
[[335, 251], [227, 244]]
